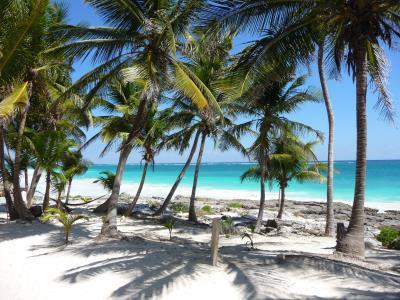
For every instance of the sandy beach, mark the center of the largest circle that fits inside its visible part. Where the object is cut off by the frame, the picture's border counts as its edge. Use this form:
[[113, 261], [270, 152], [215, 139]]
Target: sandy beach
[[145, 264]]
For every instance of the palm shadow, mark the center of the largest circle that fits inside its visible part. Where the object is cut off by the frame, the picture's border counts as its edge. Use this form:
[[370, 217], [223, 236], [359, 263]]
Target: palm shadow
[[153, 265]]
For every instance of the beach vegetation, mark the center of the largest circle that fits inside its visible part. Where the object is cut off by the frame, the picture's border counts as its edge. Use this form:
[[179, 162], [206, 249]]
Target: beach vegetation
[[67, 220], [387, 235], [169, 223], [207, 209], [235, 205], [179, 207]]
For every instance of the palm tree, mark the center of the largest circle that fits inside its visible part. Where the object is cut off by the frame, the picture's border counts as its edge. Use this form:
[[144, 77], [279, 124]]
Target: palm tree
[[354, 31], [107, 181], [59, 181], [291, 160], [208, 59], [49, 147], [268, 103], [142, 43], [73, 164], [153, 135], [22, 29]]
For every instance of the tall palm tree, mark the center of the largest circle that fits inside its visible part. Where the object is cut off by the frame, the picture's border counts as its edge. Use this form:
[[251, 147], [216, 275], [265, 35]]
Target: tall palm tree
[[355, 31], [268, 103], [208, 59], [22, 24], [142, 43]]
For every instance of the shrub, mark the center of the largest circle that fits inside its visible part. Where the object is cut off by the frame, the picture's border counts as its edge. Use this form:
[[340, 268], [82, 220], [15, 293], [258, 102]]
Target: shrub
[[387, 235], [235, 205], [169, 223], [227, 226], [179, 207], [152, 204], [207, 209], [64, 218]]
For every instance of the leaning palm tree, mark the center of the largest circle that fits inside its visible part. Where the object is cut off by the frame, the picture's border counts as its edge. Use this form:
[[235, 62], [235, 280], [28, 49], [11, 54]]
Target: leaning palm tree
[[208, 59], [268, 103], [354, 31], [152, 136], [142, 43]]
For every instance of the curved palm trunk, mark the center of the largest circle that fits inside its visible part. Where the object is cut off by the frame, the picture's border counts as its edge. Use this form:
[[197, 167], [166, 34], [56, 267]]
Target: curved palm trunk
[[171, 193], [126, 149], [330, 226], [59, 200], [109, 227], [353, 241], [192, 208], [37, 173], [139, 191], [46, 199], [4, 178], [19, 203], [262, 197], [68, 190], [282, 202]]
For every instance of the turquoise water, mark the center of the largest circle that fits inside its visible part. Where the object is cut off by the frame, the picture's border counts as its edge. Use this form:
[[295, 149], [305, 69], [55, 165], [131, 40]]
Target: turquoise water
[[383, 179]]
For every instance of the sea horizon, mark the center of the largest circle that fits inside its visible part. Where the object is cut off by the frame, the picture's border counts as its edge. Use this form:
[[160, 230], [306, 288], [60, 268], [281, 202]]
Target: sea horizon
[[221, 180]]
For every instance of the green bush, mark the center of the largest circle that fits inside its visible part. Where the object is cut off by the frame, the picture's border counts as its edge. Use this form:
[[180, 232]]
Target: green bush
[[152, 204], [235, 205], [169, 223], [207, 209], [387, 235], [179, 207]]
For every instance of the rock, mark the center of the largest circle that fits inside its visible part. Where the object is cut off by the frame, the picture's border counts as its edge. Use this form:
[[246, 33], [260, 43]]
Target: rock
[[36, 211], [271, 223], [270, 230], [122, 208]]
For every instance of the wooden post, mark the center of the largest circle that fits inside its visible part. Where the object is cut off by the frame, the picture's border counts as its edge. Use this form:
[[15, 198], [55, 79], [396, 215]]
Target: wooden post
[[215, 241]]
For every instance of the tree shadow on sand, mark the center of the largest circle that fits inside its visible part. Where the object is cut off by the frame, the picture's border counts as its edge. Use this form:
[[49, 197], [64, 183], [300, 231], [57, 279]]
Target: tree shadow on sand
[[154, 266]]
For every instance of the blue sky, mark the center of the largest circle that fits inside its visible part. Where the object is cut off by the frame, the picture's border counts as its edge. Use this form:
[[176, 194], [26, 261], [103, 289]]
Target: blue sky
[[383, 138]]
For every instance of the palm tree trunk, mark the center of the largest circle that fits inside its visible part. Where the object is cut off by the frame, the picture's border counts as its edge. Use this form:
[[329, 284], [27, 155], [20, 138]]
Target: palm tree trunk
[[167, 200], [139, 190], [262, 196], [37, 173], [20, 206], [109, 227], [330, 219], [353, 241], [68, 190], [4, 178], [46, 199], [59, 200], [282, 202], [192, 208]]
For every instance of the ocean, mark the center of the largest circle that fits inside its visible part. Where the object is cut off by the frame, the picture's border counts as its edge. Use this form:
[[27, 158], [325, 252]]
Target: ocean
[[221, 180]]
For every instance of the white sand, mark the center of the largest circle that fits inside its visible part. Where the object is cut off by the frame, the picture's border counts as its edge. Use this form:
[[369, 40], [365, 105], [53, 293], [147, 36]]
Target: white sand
[[33, 265]]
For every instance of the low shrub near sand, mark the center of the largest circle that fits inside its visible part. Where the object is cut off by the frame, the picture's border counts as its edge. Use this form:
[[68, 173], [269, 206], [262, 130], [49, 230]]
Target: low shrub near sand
[[388, 235]]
